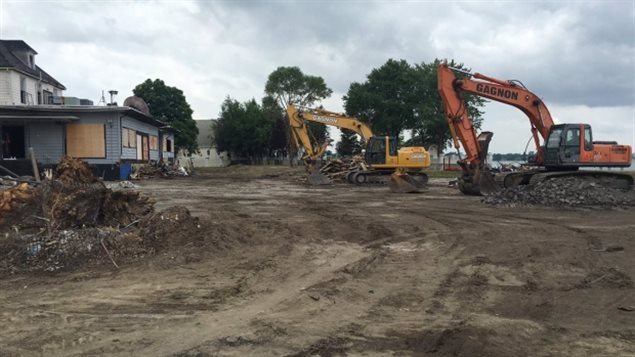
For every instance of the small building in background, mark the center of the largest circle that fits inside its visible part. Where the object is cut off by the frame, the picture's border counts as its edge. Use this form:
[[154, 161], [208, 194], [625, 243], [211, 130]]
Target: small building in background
[[207, 156]]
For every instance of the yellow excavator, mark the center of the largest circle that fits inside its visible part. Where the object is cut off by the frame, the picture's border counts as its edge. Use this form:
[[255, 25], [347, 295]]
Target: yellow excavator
[[382, 156]]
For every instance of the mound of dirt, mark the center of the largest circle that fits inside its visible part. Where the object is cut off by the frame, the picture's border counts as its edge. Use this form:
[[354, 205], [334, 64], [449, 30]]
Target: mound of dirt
[[564, 192], [75, 219], [172, 227]]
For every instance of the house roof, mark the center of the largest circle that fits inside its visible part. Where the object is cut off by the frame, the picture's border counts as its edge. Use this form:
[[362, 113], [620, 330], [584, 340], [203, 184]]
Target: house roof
[[8, 59], [204, 138], [28, 111]]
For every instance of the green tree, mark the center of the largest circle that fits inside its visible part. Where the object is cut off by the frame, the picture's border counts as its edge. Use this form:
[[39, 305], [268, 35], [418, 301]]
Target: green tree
[[278, 141], [243, 130], [398, 96], [168, 104], [288, 85], [349, 143], [388, 98]]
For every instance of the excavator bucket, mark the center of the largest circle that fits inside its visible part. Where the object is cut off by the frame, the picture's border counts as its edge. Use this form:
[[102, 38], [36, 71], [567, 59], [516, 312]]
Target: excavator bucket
[[317, 178], [480, 184], [486, 183], [401, 182]]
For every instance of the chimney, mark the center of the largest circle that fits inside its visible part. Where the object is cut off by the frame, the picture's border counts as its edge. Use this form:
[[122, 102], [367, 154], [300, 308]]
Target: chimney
[[113, 93]]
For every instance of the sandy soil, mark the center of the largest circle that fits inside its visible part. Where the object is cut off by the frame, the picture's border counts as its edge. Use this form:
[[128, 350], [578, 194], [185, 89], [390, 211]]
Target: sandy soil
[[290, 270]]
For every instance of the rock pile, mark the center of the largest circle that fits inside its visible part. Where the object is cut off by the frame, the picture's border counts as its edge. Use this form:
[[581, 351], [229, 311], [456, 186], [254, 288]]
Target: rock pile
[[563, 192]]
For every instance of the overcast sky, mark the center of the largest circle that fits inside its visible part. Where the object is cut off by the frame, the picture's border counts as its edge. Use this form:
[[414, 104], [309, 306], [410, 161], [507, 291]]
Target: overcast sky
[[578, 56]]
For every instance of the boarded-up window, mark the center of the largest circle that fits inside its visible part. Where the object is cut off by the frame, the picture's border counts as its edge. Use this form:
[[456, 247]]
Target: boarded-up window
[[154, 142], [128, 138], [86, 140], [132, 138], [125, 139]]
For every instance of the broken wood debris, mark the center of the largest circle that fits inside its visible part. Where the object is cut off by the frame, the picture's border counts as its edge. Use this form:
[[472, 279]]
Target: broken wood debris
[[338, 169]]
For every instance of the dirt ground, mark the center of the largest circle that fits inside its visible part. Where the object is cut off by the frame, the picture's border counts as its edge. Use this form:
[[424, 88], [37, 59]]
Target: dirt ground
[[282, 269]]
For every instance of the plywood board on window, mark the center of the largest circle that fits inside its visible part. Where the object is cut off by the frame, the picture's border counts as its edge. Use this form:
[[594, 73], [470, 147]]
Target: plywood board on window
[[86, 140], [125, 139], [132, 138]]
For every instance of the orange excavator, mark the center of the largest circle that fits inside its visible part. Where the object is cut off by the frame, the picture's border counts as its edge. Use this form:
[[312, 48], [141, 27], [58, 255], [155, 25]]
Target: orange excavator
[[564, 149]]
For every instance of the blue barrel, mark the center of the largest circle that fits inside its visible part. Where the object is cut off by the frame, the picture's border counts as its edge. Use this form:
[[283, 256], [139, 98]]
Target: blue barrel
[[124, 171]]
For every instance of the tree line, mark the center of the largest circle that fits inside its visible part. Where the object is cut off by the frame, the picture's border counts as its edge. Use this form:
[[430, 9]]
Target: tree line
[[396, 99]]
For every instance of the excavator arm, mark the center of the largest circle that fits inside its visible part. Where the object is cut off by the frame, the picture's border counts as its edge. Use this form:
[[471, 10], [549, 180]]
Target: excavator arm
[[300, 133], [297, 122], [512, 93]]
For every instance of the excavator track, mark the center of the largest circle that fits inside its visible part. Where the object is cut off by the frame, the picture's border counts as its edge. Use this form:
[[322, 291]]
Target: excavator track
[[377, 177], [603, 178]]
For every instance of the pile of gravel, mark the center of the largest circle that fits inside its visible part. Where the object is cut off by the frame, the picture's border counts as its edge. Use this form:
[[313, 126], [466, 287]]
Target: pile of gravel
[[563, 192]]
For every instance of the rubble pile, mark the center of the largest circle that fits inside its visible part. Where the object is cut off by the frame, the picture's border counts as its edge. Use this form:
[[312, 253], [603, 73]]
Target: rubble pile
[[338, 169], [159, 169], [74, 218], [562, 192]]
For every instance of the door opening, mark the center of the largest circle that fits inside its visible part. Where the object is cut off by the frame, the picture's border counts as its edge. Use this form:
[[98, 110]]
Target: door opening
[[13, 142]]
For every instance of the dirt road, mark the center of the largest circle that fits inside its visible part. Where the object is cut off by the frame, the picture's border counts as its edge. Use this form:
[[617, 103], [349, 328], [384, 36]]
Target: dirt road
[[341, 270]]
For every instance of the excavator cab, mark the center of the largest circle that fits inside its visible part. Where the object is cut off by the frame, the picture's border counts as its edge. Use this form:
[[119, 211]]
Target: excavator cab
[[563, 145], [379, 149]]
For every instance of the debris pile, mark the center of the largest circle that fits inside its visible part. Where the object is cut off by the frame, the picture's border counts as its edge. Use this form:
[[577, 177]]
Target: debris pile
[[74, 218], [158, 169], [338, 169], [563, 192]]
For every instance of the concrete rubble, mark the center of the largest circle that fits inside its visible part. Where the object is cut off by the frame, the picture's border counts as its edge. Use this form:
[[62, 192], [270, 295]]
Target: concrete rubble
[[565, 192], [158, 169]]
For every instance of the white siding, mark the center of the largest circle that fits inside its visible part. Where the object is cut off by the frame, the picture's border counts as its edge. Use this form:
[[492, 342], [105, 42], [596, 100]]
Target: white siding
[[5, 88], [10, 88], [206, 157], [168, 154], [15, 87]]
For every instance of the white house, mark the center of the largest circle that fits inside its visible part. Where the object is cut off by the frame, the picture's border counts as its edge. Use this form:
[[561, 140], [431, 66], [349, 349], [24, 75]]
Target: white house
[[22, 82], [207, 156]]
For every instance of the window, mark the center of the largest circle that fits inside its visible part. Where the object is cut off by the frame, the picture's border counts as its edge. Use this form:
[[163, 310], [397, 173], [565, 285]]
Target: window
[[554, 138], [168, 145], [132, 138], [573, 137], [392, 147], [86, 140], [588, 139], [48, 97], [23, 93], [125, 139], [154, 142], [128, 138], [32, 61]]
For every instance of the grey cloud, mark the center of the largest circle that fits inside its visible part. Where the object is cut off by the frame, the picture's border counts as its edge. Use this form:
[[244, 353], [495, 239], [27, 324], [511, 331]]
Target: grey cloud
[[569, 53]]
